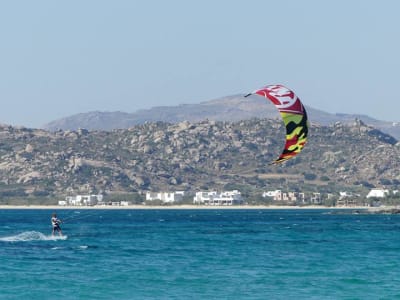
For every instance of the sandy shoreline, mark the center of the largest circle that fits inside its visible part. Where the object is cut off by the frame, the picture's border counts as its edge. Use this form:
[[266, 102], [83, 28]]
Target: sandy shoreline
[[57, 207]]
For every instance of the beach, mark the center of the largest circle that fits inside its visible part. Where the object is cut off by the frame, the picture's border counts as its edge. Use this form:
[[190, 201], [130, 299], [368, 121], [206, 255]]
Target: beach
[[156, 207]]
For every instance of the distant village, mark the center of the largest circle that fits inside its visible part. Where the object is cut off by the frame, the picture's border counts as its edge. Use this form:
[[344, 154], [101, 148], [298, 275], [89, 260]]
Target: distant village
[[234, 197]]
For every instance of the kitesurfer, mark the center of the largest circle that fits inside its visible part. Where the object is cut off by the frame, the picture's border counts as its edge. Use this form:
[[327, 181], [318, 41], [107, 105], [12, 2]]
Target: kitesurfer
[[55, 223]]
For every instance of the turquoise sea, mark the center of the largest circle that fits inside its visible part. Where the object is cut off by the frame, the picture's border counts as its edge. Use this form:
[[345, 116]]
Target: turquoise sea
[[199, 254]]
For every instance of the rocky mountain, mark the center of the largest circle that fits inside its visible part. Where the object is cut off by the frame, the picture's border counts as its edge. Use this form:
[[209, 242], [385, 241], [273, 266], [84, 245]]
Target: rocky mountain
[[191, 156], [232, 108]]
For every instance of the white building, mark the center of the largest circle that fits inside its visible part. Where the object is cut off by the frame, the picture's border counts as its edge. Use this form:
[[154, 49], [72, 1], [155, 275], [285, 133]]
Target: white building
[[378, 193], [82, 200], [316, 198], [278, 195], [166, 197], [345, 194], [271, 194], [213, 198]]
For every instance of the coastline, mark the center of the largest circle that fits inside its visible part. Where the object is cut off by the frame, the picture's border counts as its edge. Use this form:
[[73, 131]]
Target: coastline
[[182, 207]]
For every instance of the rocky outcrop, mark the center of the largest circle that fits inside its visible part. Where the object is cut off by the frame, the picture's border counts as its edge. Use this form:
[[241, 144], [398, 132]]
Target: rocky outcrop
[[194, 155]]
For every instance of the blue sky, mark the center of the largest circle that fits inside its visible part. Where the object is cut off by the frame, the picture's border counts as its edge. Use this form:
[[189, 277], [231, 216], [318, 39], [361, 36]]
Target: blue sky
[[59, 58]]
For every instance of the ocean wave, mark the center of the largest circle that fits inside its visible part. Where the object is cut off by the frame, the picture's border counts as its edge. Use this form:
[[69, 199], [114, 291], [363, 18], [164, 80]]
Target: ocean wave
[[31, 236]]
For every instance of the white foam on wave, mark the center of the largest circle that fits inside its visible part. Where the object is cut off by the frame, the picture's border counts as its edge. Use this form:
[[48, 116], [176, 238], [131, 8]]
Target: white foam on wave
[[31, 236], [57, 248]]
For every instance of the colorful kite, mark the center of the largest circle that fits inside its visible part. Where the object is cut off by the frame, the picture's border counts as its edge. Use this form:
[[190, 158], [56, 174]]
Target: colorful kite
[[294, 116]]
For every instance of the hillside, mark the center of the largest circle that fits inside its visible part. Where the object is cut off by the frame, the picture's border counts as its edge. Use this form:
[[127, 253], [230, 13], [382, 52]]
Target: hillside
[[232, 108], [191, 156]]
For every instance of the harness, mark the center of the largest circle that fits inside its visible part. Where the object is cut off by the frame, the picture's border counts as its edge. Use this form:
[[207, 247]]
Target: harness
[[55, 222]]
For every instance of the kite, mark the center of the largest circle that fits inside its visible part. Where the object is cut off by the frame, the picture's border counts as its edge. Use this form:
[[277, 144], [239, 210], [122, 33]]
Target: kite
[[294, 117]]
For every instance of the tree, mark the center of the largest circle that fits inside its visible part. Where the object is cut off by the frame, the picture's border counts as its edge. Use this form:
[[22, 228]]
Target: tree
[[309, 176]]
